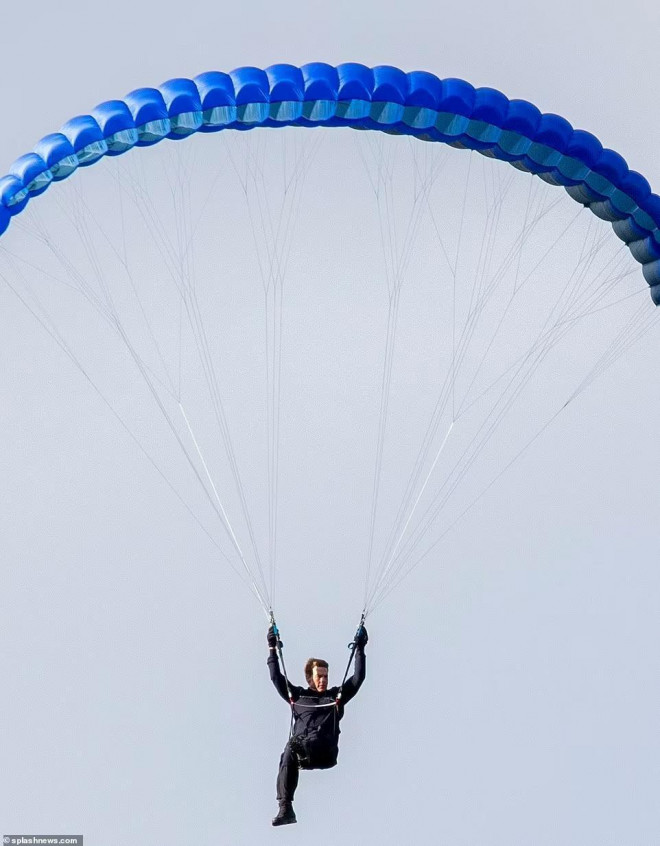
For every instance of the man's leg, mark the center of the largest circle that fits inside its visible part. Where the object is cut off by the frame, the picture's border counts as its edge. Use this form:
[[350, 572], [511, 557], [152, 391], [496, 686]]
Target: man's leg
[[287, 781]]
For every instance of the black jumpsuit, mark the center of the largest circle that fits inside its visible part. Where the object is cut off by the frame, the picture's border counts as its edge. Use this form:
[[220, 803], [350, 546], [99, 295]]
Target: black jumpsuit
[[314, 742]]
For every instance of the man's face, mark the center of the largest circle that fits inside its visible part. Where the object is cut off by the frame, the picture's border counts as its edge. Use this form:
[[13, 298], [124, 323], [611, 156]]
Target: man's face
[[320, 678]]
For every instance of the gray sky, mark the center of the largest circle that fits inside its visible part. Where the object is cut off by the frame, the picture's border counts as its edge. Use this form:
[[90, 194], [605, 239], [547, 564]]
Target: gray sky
[[512, 691]]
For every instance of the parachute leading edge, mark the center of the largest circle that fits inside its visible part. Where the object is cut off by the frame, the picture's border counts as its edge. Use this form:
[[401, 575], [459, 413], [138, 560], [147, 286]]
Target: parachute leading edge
[[383, 98]]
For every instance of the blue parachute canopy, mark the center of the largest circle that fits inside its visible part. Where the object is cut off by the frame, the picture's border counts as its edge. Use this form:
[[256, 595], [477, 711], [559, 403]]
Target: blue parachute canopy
[[383, 98]]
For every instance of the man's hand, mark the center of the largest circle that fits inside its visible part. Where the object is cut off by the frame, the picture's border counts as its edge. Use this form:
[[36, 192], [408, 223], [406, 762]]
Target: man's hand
[[272, 638], [361, 638]]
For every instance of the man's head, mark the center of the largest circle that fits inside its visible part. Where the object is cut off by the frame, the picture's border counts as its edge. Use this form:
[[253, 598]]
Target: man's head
[[316, 673]]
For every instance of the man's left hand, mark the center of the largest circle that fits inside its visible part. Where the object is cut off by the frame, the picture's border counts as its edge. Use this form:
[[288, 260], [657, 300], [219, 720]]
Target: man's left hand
[[361, 638]]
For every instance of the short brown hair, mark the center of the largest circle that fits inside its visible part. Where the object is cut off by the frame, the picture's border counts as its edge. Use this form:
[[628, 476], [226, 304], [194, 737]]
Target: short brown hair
[[309, 667]]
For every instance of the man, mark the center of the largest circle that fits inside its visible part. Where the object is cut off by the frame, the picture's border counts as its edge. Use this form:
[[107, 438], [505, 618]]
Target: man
[[316, 713]]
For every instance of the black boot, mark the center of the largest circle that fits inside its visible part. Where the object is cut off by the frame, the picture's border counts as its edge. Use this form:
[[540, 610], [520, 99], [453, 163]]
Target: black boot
[[285, 815]]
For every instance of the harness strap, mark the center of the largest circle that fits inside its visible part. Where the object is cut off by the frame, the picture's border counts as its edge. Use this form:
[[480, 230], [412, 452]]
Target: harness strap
[[280, 655], [352, 646]]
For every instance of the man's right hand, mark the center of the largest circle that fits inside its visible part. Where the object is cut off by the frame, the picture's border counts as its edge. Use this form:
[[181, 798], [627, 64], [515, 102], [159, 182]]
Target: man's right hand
[[272, 638]]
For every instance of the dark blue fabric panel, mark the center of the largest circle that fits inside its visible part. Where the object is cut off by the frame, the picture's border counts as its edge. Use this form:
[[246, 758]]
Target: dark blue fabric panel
[[457, 97], [629, 231], [250, 85], [645, 250], [29, 168], [356, 82], [490, 106], [652, 209], [285, 83], [636, 186], [427, 90], [181, 96], [652, 275], [11, 187], [113, 116], [82, 131], [554, 131], [215, 89], [584, 146], [146, 105], [390, 85], [321, 81], [53, 148], [522, 117], [611, 165]]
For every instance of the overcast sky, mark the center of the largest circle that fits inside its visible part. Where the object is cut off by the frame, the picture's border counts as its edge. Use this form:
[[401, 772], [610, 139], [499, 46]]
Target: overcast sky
[[512, 691]]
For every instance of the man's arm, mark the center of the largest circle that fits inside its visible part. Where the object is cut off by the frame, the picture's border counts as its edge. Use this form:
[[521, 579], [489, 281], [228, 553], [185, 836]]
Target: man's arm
[[277, 677], [353, 684]]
